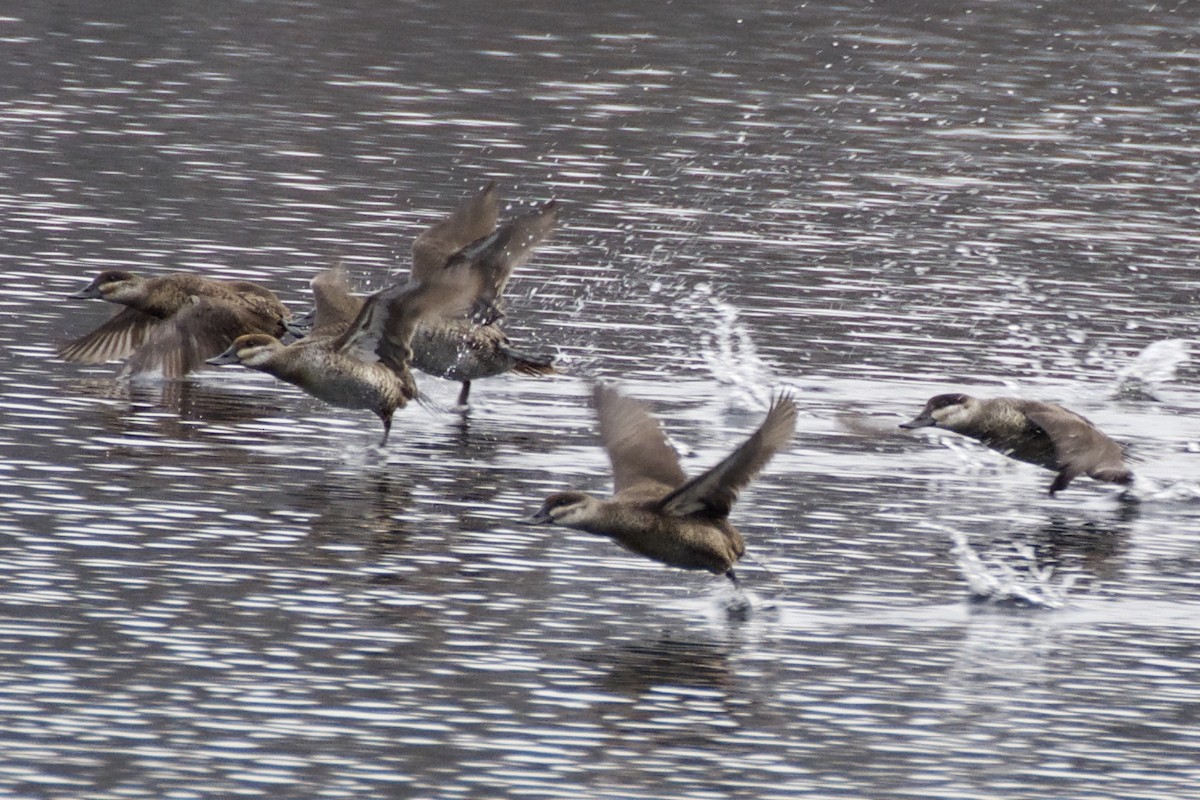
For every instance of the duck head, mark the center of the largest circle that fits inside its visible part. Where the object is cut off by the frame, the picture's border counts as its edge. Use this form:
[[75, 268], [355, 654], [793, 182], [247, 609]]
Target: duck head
[[572, 509], [109, 285], [251, 350], [948, 411]]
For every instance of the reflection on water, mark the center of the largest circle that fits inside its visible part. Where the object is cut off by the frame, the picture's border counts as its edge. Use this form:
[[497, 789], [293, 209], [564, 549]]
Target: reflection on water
[[217, 587]]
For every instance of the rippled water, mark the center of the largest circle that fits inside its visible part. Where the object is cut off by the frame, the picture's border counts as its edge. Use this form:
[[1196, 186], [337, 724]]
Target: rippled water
[[216, 588]]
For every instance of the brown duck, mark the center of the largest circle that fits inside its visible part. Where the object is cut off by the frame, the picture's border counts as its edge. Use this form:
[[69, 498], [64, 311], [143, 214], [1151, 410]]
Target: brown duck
[[1044, 434], [655, 510], [363, 362], [172, 323]]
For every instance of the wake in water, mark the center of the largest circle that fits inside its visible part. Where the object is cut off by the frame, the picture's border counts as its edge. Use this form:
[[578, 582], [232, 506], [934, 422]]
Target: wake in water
[[1141, 379]]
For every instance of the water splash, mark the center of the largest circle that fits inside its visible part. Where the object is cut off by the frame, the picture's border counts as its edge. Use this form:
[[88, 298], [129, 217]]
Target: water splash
[[729, 353], [999, 582], [1155, 365]]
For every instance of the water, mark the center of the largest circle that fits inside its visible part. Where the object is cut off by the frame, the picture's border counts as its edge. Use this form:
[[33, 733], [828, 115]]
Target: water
[[217, 588]]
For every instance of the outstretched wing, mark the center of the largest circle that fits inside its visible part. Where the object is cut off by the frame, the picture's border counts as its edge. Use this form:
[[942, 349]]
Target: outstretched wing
[[201, 330], [634, 441], [510, 246], [385, 324], [473, 219], [713, 493], [120, 336]]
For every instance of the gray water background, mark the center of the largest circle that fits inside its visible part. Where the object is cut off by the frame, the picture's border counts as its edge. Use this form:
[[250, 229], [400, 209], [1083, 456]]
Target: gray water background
[[215, 588]]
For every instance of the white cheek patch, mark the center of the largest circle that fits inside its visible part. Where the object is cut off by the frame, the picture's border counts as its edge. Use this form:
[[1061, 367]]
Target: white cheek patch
[[950, 416], [571, 514], [254, 357]]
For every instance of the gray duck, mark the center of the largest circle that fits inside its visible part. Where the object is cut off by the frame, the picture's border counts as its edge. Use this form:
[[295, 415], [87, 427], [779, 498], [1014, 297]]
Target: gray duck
[[465, 348]]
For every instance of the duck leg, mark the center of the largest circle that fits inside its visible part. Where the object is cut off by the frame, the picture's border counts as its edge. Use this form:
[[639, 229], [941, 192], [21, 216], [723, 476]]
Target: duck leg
[[1065, 476], [387, 428], [465, 393]]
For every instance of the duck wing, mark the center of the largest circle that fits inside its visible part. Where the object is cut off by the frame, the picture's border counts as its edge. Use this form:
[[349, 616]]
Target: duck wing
[[335, 305], [713, 493], [469, 279], [634, 442], [385, 324], [508, 247], [1079, 446], [260, 301], [473, 219], [203, 329], [121, 335]]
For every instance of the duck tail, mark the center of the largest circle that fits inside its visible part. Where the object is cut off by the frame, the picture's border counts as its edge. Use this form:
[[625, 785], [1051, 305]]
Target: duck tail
[[525, 364], [425, 401]]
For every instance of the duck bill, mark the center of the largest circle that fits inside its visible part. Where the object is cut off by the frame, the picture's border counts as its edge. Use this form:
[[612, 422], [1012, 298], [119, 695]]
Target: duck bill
[[923, 421], [300, 325], [230, 356], [542, 517], [89, 292], [297, 329]]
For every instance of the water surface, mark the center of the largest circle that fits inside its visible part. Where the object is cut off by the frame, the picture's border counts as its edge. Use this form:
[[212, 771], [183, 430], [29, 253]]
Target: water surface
[[217, 588]]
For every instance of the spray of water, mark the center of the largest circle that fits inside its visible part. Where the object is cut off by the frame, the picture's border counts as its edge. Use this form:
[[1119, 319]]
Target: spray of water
[[994, 580], [1155, 365], [728, 352]]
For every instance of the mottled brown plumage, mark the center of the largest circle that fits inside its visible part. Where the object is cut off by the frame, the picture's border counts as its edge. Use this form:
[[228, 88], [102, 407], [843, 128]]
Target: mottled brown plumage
[[172, 323], [462, 349], [655, 510], [1044, 434]]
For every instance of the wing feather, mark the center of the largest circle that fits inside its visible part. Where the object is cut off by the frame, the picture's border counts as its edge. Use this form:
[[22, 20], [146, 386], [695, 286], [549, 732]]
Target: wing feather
[[634, 441], [713, 493], [1079, 445], [335, 305], [474, 218], [203, 329], [119, 337], [510, 246]]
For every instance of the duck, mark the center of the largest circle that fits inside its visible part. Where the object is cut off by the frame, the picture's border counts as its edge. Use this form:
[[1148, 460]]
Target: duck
[[172, 323], [1044, 434], [655, 510], [463, 349], [362, 362]]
